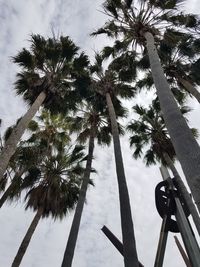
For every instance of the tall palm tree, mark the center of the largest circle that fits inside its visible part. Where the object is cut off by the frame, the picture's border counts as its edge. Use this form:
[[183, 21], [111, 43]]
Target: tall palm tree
[[49, 69], [55, 190], [90, 122], [149, 130], [107, 83], [142, 25]]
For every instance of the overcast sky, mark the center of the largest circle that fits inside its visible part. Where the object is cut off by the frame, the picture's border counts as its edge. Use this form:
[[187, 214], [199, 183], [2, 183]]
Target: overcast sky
[[18, 19]]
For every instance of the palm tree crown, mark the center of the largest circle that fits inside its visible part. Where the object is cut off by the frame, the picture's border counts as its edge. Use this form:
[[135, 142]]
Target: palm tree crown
[[111, 81], [57, 185], [50, 72], [130, 19], [50, 65], [149, 130]]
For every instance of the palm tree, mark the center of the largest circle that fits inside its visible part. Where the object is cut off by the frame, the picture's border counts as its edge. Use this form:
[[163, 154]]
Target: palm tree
[[48, 133], [149, 130], [55, 190], [49, 69], [91, 123], [143, 25], [108, 85]]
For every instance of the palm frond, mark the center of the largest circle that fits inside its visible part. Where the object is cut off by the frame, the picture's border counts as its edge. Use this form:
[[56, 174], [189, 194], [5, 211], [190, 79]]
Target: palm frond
[[24, 59], [149, 157]]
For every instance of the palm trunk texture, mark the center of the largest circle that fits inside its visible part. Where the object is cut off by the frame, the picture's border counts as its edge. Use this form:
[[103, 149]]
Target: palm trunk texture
[[190, 88], [27, 238], [73, 235], [185, 145], [11, 144], [184, 192], [128, 236]]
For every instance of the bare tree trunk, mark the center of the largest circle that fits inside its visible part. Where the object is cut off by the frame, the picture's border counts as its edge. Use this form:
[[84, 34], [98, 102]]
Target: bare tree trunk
[[11, 144], [27, 238], [190, 88], [73, 235], [184, 192], [128, 236], [185, 145]]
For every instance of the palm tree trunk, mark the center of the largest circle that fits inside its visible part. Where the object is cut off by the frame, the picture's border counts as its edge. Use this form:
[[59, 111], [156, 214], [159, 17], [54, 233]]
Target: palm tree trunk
[[25, 242], [6, 194], [184, 192], [10, 188], [73, 235], [185, 145], [11, 144], [128, 236], [190, 88]]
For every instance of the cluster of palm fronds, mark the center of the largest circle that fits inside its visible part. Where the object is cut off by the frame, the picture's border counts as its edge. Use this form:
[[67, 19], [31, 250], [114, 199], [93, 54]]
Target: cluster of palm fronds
[[156, 46]]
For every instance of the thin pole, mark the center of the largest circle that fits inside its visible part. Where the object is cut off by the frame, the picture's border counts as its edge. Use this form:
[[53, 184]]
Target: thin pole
[[183, 191], [189, 240], [163, 235], [183, 254], [162, 244], [115, 241]]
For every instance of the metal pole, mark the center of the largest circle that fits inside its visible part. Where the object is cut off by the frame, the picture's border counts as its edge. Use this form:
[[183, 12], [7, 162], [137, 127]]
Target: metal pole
[[187, 235], [162, 244], [189, 240], [163, 232], [183, 254], [115, 241]]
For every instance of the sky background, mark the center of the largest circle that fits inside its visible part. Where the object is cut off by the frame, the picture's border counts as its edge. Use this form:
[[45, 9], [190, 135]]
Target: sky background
[[18, 19]]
